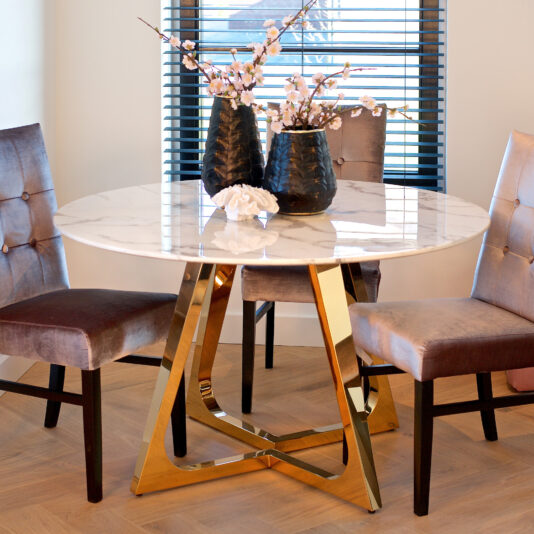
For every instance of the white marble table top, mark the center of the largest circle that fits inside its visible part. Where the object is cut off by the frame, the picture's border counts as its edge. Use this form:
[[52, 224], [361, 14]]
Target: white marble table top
[[178, 221]]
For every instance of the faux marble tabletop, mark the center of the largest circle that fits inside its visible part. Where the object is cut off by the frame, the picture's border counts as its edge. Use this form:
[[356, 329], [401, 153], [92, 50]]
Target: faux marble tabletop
[[178, 221]]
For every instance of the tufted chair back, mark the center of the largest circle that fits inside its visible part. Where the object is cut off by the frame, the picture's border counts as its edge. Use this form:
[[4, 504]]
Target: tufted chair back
[[32, 259], [505, 271], [357, 148]]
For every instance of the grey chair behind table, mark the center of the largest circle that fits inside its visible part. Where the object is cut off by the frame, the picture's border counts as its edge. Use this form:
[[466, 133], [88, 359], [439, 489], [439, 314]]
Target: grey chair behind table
[[357, 151], [42, 319], [493, 330]]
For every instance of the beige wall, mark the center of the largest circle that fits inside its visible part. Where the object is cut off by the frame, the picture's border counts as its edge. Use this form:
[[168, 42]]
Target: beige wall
[[26, 84], [105, 112]]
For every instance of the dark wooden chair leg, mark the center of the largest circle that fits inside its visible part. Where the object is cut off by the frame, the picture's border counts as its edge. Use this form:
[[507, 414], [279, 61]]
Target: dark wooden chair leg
[[485, 393], [423, 429], [248, 351], [55, 383], [178, 422], [92, 431], [345, 457], [269, 338]]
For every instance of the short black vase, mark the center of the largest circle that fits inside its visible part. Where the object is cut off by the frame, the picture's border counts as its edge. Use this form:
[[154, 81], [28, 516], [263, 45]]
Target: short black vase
[[299, 172], [233, 148]]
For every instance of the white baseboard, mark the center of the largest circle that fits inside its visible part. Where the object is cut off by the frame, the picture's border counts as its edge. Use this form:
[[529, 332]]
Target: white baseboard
[[289, 330], [12, 368]]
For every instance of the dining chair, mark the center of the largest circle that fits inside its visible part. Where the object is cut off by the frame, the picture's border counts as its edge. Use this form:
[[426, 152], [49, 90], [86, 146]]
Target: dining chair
[[492, 330], [41, 318], [357, 151]]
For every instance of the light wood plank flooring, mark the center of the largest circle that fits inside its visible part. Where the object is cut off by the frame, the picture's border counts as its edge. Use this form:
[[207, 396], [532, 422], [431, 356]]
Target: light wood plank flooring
[[476, 486]]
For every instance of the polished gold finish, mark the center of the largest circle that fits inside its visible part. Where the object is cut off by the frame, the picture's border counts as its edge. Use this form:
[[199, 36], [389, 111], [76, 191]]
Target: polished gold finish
[[204, 294]]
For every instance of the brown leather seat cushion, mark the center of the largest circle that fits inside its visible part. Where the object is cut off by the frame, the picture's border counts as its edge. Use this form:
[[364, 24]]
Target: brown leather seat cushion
[[444, 337], [84, 328], [292, 284]]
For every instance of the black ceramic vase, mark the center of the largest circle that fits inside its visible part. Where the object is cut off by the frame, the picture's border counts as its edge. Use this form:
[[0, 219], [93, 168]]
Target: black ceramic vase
[[233, 148], [299, 172]]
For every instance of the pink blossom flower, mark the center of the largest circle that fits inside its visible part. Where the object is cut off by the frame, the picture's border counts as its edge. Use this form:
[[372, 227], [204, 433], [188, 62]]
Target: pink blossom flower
[[233, 51], [318, 77], [368, 102], [356, 112], [276, 127], [236, 66], [247, 79], [216, 86], [260, 80], [293, 97], [269, 22], [287, 20], [272, 33], [341, 96], [336, 123], [272, 113], [331, 83], [188, 45], [377, 112], [189, 62], [233, 103], [174, 41], [247, 98], [346, 73], [274, 49]]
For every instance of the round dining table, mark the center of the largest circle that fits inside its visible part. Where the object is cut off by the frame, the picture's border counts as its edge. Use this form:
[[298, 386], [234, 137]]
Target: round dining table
[[178, 221]]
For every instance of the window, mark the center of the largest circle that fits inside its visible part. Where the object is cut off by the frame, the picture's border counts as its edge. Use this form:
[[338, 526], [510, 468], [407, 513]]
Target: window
[[400, 42]]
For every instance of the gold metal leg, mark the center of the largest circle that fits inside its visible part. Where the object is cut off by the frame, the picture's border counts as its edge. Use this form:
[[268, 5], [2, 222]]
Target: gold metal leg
[[382, 415], [204, 293]]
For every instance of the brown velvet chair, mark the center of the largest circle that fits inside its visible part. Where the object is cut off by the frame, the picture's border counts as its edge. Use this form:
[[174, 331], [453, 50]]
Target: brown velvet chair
[[357, 151], [42, 319], [493, 330]]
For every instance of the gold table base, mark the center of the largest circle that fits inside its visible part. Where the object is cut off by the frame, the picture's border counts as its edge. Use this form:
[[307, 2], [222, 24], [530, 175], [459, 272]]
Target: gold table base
[[204, 297]]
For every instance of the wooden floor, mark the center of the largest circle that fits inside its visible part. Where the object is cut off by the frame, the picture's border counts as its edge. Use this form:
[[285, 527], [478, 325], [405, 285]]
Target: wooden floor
[[476, 486]]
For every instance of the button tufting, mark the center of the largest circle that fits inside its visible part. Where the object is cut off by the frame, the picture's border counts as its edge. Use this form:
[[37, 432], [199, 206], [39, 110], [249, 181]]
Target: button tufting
[[506, 249], [340, 161], [33, 242], [5, 248], [25, 196], [516, 202]]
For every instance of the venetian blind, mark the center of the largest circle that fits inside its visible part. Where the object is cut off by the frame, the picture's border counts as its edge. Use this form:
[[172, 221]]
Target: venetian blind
[[401, 42]]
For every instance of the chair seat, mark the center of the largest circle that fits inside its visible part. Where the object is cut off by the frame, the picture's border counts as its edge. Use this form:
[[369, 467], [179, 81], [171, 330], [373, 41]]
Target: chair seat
[[444, 337], [292, 283], [84, 328]]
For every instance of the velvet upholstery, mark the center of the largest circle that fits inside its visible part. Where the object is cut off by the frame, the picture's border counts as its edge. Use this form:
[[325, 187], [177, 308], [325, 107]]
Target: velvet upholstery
[[40, 317], [84, 328], [443, 337], [490, 331], [292, 284], [357, 151], [32, 259]]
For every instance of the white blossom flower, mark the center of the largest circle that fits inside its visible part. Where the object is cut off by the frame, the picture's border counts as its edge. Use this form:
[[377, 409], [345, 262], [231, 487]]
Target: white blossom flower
[[288, 87], [260, 80], [287, 20], [272, 113], [346, 73], [320, 90], [189, 62], [336, 123], [287, 118], [276, 127], [377, 112], [233, 51], [274, 49], [331, 83], [318, 77], [237, 83], [247, 98], [248, 67], [174, 41], [356, 112], [368, 102], [233, 103], [272, 33], [341, 96], [269, 22], [188, 45]]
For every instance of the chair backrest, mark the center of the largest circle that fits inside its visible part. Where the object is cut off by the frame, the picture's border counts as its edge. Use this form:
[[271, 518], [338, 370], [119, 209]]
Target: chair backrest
[[357, 148], [32, 258], [505, 270]]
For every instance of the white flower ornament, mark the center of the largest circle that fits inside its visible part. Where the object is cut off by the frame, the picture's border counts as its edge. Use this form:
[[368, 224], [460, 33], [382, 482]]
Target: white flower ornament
[[242, 202]]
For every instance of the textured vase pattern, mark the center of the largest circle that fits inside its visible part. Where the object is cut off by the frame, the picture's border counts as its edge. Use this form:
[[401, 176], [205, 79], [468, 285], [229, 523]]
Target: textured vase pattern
[[299, 172], [233, 148]]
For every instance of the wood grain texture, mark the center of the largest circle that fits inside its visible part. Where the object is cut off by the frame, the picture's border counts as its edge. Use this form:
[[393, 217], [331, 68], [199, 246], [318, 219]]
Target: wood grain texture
[[476, 486]]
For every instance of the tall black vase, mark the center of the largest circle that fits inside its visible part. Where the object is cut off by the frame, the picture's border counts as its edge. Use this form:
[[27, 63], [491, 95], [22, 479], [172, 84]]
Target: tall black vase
[[233, 148], [299, 172]]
